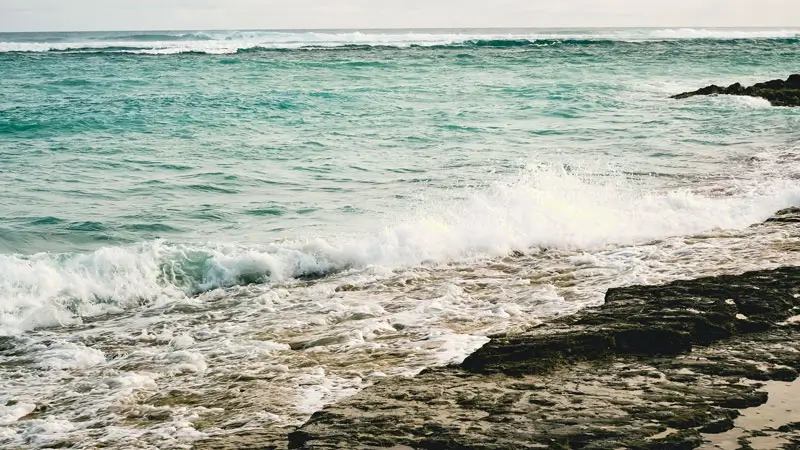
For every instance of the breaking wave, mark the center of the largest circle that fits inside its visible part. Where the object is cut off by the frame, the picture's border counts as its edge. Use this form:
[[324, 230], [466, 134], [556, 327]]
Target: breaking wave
[[544, 207], [231, 42]]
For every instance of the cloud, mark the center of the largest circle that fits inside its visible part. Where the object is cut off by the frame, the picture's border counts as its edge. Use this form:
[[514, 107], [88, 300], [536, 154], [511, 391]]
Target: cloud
[[17, 15]]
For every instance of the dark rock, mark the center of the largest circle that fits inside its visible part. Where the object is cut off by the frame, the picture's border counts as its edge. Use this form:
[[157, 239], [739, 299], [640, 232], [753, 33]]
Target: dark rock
[[708, 90], [735, 89], [299, 439], [684, 440], [788, 215], [772, 84], [790, 427], [793, 82], [246, 440], [783, 374], [751, 400], [658, 320], [720, 426], [651, 358], [777, 92], [687, 419], [677, 357]]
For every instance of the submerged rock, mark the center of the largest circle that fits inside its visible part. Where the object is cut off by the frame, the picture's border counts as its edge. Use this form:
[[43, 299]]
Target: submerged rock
[[778, 92]]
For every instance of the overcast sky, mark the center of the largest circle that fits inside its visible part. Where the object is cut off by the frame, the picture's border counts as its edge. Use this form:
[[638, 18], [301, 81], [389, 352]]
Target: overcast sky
[[61, 15]]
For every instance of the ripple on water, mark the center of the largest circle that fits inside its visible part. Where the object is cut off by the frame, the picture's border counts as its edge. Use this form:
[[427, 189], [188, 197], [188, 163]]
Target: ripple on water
[[88, 226], [152, 227], [271, 211], [45, 221], [211, 189]]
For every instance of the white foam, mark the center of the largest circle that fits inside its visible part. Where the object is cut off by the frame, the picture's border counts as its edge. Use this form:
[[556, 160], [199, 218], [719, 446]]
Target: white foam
[[543, 207], [183, 361], [50, 427], [183, 341], [10, 414], [318, 389], [584, 259], [39, 432], [704, 33], [123, 387], [126, 383], [740, 101], [454, 348], [37, 290], [233, 41], [70, 356]]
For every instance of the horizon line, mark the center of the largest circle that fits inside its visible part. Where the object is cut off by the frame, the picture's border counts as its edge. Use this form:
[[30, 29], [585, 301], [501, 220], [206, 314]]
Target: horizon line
[[562, 28]]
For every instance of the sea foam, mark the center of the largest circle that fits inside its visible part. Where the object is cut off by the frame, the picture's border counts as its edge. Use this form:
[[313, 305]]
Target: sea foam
[[544, 207], [227, 42]]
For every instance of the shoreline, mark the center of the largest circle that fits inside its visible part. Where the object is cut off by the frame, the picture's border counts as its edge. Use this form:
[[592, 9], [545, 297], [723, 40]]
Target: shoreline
[[688, 364]]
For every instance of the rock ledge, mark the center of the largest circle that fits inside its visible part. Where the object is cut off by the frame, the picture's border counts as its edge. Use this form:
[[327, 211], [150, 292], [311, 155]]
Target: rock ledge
[[692, 363], [778, 92]]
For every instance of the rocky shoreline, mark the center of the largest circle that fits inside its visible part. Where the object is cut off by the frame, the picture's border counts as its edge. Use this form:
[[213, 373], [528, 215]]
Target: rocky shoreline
[[704, 363], [778, 92], [710, 362]]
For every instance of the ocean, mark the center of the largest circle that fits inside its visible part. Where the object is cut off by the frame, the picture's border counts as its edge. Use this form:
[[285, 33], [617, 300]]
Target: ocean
[[215, 231]]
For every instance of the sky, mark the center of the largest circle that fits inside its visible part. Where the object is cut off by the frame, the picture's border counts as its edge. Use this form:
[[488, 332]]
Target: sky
[[106, 15]]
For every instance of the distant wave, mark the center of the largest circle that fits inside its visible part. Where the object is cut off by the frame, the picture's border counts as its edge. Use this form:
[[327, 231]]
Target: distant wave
[[230, 42]]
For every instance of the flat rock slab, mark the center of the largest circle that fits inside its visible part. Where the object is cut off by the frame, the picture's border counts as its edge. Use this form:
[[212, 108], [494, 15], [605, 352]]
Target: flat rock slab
[[705, 363], [624, 402], [656, 367]]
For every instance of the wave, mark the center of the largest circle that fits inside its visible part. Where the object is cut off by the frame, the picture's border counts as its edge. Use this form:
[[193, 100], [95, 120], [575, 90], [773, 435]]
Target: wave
[[545, 207], [230, 42]]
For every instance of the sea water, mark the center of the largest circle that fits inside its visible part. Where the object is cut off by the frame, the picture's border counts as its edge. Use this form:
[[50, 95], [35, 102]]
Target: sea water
[[208, 232]]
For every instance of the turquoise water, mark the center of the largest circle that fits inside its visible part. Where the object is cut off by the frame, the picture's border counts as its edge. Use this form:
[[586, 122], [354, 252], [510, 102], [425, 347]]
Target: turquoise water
[[108, 148], [141, 172]]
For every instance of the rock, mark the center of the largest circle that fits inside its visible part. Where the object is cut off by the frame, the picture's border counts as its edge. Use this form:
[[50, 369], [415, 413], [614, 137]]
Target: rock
[[655, 367], [735, 89], [778, 92], [646, 320], [772, 84], [719, 426], [788, 215], [708, 90], [651, 359]]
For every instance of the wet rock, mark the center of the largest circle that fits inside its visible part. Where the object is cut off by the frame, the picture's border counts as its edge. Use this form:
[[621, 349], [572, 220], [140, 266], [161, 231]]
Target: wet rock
[[788, 215], [783, 374], [674, 366], [778, 92], [650, 360], [243, 440], [679, 441], [790, 427], [648, 320]]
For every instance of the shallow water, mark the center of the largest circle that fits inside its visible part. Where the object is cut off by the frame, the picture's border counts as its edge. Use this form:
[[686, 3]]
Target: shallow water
[[208, 232]]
